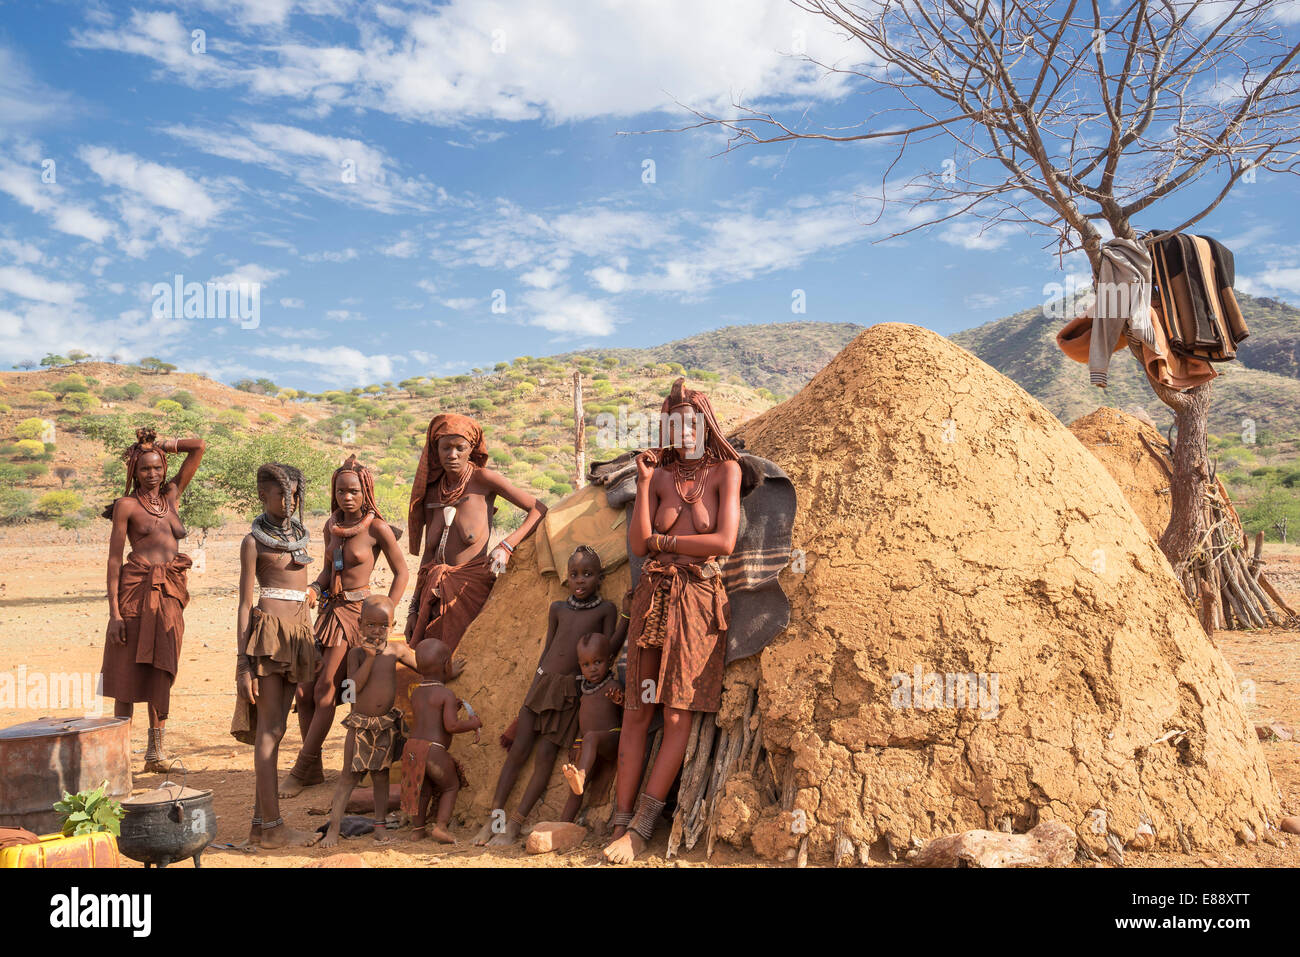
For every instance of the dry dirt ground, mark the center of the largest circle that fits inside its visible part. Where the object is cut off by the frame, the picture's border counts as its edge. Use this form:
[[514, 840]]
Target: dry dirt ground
[[52, 617]]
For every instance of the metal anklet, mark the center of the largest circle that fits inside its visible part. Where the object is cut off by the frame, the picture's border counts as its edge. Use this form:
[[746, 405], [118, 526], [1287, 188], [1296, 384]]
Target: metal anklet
[[267, 825], [648, 810]]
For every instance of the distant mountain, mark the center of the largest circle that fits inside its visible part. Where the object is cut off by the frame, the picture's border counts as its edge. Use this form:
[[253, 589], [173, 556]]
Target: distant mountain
[[778, 356], [1262, 385]]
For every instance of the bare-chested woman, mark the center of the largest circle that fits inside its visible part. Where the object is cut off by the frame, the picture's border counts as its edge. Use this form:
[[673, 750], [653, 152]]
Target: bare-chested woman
[[147, 595], [354, 535], [452, 501], [686, 514]]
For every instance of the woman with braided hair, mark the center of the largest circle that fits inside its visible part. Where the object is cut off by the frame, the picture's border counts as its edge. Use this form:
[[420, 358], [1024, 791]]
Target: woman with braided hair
[[147, 593], [686, 515], [355, 534]]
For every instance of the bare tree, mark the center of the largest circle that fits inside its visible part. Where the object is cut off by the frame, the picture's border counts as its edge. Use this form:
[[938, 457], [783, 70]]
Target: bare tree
[[1070, 122]]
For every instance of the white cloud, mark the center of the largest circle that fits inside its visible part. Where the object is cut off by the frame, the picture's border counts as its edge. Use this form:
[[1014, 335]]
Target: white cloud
[[23, 183], [343, 315], [402, 249], [291, 303], [460, 305], [249, 274], [337, 167], [977, 235], [338, 364], [478, 59], [28, 285], [24, 99], [562, 311]]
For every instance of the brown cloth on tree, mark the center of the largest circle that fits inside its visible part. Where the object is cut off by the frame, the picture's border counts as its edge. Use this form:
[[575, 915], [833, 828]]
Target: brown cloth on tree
[[449, 598], [151, 600], [415, 759], [556, 702], [339, 622], [282, 646], [377, 739], [429, 472], [681, 608]]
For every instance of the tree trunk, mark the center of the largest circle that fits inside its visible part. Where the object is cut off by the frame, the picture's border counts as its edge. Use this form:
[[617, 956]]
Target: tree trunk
[[579, 434], [1186, 529], [1191, 473]]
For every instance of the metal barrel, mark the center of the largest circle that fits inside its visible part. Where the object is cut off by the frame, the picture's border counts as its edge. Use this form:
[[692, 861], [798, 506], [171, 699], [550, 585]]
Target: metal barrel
[[40, 760]]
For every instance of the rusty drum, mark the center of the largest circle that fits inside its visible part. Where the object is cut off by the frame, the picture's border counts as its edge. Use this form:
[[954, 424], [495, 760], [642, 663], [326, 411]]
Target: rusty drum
[[39, 760]]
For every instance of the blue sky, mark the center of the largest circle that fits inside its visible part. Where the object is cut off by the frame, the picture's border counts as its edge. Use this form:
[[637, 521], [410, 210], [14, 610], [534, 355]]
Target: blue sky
[[484, 140]]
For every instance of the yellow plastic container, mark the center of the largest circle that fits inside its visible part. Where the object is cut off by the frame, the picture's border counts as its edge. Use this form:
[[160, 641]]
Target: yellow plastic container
[[55, 850]]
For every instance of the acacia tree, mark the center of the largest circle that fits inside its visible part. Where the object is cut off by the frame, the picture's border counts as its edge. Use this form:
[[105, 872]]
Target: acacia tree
[[1072, 123]]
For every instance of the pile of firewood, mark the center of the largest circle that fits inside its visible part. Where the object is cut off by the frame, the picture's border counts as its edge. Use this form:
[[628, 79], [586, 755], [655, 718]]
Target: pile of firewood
[[1225, 578]]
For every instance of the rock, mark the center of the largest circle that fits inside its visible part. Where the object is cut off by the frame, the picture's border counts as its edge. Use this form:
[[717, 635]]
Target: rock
[[557, 836], [1282, 731], [1245, 834], [340, 860], [1291, 825], [1050, 844]]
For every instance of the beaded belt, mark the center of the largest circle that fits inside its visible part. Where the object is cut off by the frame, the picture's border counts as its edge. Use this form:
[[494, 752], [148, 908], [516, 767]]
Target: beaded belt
[[287, 594]]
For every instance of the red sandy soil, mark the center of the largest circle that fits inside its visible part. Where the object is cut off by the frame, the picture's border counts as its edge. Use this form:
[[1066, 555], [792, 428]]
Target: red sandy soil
[[52, 618]]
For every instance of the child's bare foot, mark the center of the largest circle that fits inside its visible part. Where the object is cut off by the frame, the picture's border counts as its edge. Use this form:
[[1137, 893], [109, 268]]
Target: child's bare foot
[[623, 850], [381, 835], [506, 837], [331, 838], [576, 777], [419, 833], [485, 832], [441, 834], [285, 836]]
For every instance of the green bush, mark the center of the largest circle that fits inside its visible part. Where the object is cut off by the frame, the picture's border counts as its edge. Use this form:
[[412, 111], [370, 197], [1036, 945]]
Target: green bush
[[168, 406], [30, 428], [561, 489], [4, 408], [185, 399], [133, 390], [73, 383], [15, 505], [29, 448], [233, 418], [268, 418], [501, 456], [81, 401], [40, 397], [57, 504], [113, 393]]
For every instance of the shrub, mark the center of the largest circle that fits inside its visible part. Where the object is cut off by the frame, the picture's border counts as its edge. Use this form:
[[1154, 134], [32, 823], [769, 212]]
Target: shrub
[[561, 489], [58, 504], [30, 428], [81, 401], [4, 408], [15, 505], [113, 393], [168, 406], [501, 456], [268, 418], [133, 390], [40, 397], [29, 448], [185, 399], [73, 383], [233, 418]]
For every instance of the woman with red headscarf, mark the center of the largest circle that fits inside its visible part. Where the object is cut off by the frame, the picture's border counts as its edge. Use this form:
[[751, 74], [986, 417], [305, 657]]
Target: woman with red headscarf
[[686, 515], [147, 594], [452, 503], [355, 534]]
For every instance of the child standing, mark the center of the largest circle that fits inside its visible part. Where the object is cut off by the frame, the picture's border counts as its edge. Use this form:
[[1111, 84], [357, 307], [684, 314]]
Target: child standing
[[548, 720], [375, 726], [426, 765]]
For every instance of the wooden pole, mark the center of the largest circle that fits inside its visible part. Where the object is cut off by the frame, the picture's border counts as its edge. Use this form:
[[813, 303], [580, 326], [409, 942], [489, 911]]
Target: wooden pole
[[579, 434]]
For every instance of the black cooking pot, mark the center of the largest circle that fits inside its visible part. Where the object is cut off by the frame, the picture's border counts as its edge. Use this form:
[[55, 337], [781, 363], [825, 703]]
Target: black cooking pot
[[167, 824]]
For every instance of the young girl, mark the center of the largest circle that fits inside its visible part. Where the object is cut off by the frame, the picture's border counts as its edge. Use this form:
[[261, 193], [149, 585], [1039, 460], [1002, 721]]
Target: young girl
[[142, 644], [276, 648], [548, 720], [355, 534]]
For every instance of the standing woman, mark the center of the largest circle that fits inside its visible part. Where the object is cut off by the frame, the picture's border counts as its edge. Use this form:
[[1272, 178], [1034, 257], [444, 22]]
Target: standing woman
[[686, 515], [147, 594], [355, 534]]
